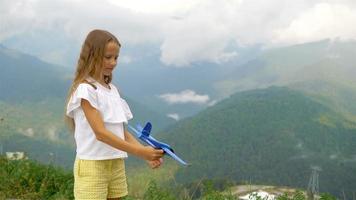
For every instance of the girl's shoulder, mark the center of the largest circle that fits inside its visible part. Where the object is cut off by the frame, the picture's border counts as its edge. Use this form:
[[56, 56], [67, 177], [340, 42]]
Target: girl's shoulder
[[91, 83]]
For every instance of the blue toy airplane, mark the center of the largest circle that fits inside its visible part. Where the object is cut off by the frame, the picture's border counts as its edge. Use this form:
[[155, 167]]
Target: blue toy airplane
[[144, 135]]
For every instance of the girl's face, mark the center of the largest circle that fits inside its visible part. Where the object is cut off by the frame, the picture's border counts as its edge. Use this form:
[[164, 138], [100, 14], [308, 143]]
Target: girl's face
[[111, 54]]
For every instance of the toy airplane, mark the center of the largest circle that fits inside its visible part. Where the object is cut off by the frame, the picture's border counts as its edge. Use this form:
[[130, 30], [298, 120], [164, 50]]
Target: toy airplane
[[144, 135]]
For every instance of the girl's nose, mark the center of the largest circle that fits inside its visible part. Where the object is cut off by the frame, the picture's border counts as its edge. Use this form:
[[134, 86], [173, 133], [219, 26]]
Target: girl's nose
[[113, 62]]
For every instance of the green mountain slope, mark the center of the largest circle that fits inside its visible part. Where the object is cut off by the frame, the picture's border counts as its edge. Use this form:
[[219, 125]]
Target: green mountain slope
[[269, 136], [37, 128], [337, 95]]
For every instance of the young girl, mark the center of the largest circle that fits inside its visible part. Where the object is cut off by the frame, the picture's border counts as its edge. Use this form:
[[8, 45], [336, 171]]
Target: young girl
[[97, 113]]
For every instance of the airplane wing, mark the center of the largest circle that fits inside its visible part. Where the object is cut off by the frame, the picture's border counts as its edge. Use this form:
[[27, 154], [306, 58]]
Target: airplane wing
[[157, 143], [144, 135], [174, 156], [145, 138]]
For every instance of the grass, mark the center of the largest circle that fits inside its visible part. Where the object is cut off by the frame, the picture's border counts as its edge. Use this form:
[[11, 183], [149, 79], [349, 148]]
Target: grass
[[139, 177]]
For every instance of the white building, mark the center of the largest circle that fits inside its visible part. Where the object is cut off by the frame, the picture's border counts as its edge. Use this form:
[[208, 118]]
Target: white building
[[16, 155], [262, 194]]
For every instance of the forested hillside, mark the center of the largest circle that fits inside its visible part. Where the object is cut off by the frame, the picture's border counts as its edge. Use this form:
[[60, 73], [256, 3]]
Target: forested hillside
[[269, 136]]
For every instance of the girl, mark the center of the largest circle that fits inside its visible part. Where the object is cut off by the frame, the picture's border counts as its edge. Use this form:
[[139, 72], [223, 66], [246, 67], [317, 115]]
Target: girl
[[97, 113]]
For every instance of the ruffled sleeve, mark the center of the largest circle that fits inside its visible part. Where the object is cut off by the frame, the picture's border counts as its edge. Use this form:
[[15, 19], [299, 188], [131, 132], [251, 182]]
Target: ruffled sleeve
[[83, 91], [126, 109]]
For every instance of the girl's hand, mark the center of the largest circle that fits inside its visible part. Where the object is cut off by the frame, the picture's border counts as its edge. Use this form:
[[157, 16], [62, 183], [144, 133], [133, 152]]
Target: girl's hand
[[150, 154], [155, 163]]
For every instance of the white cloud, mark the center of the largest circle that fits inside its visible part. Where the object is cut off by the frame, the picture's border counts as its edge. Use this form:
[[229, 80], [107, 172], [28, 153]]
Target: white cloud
[[198, 36], [187, 31], [54, 56], [226, 56], [212, 103], [75, 19], [204, 33], [125, 59], [174, 116], [185, 96], [15, 17], [324, 20], [29, 132], [156, 6]]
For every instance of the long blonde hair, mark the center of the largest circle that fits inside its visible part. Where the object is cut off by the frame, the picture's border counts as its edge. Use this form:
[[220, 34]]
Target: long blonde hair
[[90, 63]]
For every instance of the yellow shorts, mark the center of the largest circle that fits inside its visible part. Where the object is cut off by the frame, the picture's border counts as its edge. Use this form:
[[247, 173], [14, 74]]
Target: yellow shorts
[[99, 179]]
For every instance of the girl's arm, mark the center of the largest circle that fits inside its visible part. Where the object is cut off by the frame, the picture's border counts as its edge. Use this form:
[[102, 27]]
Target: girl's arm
[[104, 135], [131, 139]]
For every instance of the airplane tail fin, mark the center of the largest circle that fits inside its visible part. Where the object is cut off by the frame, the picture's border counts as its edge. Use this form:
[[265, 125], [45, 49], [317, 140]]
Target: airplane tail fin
[[147, 129]]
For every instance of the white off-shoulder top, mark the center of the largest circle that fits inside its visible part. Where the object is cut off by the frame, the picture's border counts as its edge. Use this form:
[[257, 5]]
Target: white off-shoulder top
[[114, 111]]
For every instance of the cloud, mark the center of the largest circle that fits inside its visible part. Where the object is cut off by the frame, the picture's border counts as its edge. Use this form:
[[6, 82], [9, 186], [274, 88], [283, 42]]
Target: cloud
[[186, 31], [204, 33], [156, 6], [197, 37], [75, 19], [212, 103], [47, 28], [29, 132], [324, 20], [54, 56], [125, 59], [15, 17], [174, 116], [185, 96]]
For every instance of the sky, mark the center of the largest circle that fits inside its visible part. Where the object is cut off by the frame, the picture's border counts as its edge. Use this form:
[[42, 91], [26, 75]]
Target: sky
[[184, 31]]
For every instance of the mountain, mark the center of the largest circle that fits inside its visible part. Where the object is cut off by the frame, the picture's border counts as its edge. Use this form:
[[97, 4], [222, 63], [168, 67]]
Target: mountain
[[155, 78], [268, 136], [271, 136], [325, 60], [143, 77], [32, 101], [336, 95], [25, 77], [143, 114]]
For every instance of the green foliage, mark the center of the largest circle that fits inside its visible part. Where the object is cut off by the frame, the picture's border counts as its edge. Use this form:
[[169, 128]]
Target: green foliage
[[206, 191], [206, 188], [298, 195], [268, 136], [155, 193], [254, 196], [209, 193], [326, 196], [27, 179]]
